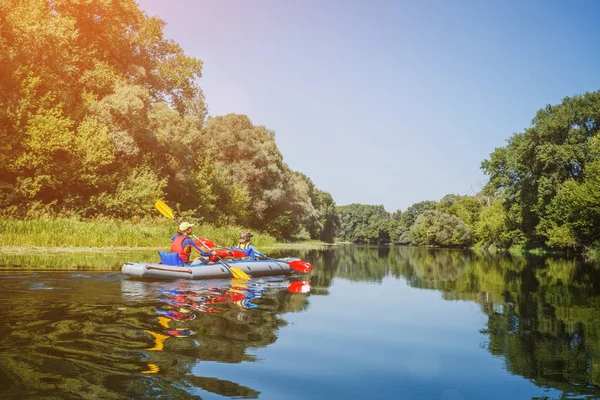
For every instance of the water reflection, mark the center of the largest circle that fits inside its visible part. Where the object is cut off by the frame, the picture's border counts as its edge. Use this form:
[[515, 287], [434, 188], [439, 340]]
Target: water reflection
[[100, 335], [543, 313]]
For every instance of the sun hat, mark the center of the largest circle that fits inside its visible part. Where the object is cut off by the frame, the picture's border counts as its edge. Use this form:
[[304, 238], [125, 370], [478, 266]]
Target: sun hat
[[184, 225], [246, 235]]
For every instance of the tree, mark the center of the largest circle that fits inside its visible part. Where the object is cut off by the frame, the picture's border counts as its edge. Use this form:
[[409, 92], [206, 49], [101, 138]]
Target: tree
[[529, 171], [435, 228], [250, 156], [328, 221], [409, 216], [467, 208], [85, 69], [573, 215], [360, 223]]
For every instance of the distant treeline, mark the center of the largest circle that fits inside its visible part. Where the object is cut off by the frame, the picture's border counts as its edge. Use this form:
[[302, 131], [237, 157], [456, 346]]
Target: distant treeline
[[100, 115], [543, 191]]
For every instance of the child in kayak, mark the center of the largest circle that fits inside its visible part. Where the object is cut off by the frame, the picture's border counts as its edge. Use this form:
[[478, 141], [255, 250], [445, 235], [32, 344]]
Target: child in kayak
[[245, 246]]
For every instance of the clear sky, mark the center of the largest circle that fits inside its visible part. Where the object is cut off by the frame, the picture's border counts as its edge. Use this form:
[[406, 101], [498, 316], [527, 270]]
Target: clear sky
[[388, 102]]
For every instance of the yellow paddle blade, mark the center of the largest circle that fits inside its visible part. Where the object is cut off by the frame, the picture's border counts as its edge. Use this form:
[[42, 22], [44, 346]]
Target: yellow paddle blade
[[164, 321], [159, 340], [239, 274], [164, 209], [152, 369]]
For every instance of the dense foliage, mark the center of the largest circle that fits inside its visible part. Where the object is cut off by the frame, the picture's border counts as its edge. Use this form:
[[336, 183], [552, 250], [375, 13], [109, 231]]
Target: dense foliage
[[449, 223], [361, 223], [100, 115], [547, 178]]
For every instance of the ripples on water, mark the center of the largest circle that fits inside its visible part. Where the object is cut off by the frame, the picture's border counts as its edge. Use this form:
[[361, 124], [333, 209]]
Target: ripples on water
[[97, 335], [373, 323]]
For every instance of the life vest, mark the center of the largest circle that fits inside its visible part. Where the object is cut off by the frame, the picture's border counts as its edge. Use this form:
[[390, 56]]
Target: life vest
[[244, 245], [177, 247]]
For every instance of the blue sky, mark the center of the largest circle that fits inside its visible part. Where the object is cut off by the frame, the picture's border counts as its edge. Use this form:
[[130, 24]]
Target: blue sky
[[388, 102]]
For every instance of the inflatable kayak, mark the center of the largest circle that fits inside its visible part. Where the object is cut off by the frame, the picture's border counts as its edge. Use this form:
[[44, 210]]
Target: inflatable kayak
[[217, 270]]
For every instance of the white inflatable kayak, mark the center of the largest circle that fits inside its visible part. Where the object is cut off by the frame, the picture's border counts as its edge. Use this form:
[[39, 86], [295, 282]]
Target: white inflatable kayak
[[217, 270]]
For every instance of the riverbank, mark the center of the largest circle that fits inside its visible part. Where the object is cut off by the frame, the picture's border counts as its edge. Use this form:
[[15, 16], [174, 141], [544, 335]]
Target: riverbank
[[101, 236], [70, 244]]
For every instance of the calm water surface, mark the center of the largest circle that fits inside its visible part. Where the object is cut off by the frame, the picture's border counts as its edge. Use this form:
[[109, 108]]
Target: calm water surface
[[376, 323]]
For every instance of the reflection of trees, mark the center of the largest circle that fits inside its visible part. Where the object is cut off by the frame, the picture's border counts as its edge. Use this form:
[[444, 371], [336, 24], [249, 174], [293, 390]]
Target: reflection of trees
[[88, 338], [542, 312], [76, 340], [547, 327]]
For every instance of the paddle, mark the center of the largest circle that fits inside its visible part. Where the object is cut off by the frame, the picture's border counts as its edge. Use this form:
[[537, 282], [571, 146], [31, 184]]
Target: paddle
[[300, 265], [165, 210], [299, 287]]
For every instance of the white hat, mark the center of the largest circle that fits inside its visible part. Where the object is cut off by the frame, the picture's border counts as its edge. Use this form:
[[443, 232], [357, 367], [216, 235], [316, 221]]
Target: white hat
[[184, 225]]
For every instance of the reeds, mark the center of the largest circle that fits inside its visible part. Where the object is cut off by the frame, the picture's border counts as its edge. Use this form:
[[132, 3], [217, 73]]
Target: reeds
[[70, 233]]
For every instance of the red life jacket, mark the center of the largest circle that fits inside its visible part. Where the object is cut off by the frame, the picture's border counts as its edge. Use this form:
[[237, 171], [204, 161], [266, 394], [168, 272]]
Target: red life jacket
[[177, 247]]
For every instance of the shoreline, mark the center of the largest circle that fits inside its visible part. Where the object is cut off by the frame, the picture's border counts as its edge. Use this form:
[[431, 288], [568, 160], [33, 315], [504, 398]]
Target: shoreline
[[21, 250]]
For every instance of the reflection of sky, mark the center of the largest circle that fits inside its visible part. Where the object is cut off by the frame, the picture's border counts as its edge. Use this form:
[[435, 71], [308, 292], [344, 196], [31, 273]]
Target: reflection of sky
[[388, 340]]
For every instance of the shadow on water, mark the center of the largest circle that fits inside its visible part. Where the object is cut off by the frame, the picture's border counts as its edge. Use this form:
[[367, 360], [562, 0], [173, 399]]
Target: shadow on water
[[100, 335]]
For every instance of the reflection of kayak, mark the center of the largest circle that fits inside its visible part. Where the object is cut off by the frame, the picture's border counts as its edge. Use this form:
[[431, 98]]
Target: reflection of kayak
[[253, 268]]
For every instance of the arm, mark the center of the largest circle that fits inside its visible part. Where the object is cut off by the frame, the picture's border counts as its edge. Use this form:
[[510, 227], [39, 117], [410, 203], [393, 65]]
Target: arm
[[190, 242], [258, 253]]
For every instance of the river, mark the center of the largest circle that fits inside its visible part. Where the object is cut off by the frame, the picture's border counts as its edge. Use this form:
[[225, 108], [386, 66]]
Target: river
[[367, 323]]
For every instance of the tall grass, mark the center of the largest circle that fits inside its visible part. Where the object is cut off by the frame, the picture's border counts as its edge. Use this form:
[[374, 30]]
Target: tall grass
[[63, 232]]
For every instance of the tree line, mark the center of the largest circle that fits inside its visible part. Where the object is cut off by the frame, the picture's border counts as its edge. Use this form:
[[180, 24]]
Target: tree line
[[543, 191], [100, 115]]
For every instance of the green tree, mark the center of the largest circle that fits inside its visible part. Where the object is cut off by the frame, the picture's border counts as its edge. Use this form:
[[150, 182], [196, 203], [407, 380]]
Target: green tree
[[328, 220], [435, 228], [573, 215], [409, 216], [250, 156], [360, 223], [86, 69], [529, 171], [467, 208]]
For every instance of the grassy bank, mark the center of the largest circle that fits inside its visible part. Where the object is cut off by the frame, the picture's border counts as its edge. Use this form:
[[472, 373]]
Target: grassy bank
[[72, 233]]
